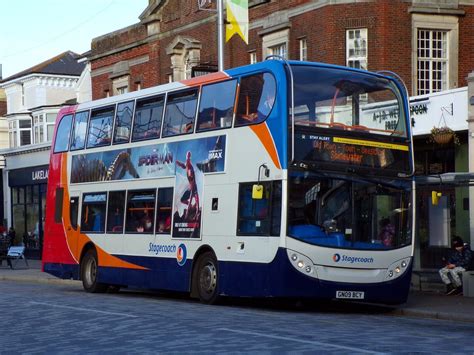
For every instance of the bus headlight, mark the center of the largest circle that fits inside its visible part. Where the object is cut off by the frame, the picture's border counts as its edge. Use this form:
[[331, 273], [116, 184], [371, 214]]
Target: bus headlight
[[302, 263], [397, 268]]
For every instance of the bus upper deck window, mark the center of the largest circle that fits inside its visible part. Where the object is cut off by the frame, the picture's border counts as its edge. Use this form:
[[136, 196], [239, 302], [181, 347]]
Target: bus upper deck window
[[100, 128], [180, 112], [61, 144], [123, 122], [147, 124], [256, 99], [216, 108], [79, 130]]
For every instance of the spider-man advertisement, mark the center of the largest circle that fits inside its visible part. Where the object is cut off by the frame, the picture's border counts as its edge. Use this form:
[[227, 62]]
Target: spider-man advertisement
[[152, 161], [193, 159], [188, 160]]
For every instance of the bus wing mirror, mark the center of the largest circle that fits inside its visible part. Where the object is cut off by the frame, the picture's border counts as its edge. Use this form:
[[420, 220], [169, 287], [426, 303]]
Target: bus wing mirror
[[257, 192], [435, 196]]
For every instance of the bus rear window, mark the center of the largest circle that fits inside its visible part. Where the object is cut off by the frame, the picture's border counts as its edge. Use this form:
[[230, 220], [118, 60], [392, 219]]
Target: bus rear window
[[61, 144]]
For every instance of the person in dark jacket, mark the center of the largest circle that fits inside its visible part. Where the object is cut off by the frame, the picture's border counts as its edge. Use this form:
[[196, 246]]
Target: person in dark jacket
[[457, 263]]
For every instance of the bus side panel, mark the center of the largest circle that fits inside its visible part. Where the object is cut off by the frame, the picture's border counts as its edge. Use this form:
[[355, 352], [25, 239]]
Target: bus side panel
[[280, 279]]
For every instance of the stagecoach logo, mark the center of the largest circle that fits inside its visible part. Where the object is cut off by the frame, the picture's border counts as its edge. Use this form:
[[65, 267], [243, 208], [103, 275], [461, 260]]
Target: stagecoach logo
[[181, 255], [350, 259]]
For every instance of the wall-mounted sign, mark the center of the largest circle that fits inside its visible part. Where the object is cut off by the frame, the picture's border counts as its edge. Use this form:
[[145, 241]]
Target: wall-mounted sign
[[28, 176]]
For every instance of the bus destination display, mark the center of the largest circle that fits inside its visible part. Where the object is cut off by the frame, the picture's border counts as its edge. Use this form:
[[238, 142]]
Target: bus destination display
[[350, 151]]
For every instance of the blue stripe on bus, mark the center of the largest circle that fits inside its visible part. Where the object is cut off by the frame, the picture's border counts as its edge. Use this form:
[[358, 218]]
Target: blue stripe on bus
[[276, 279]]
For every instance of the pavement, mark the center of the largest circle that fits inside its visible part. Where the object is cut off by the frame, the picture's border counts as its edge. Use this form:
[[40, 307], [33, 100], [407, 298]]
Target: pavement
[[420, 304]]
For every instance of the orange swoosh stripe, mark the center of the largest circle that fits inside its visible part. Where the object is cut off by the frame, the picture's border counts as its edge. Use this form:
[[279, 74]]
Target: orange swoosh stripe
[[263, 133], [77, 240], [202, 80]]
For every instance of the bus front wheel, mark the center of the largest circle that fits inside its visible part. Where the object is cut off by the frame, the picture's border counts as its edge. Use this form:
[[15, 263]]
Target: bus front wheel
[[89, 273], [207, 279]]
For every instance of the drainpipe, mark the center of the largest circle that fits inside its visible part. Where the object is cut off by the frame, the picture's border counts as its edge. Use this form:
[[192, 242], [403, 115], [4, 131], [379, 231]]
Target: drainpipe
[[470, 122]]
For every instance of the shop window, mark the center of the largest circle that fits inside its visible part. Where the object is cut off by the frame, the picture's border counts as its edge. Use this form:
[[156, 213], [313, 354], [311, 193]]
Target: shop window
[[140, 211], [163, 216], [79, 130], [123, 122], [74, 211], [259, 216], [148, 115], [180, 112], [61, 144], [100, 127], [256, 99], [116, 212], [216, 107], [93, 212]]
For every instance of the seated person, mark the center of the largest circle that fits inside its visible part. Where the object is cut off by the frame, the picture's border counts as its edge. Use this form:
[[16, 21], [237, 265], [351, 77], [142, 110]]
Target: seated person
[[457, 263], [387, 232]]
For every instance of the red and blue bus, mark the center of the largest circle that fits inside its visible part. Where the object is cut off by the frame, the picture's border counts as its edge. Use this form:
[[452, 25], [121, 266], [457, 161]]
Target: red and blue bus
[[277, 179]]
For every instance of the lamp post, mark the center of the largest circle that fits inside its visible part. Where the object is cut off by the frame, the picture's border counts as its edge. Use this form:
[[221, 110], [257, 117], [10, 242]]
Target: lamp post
[[220, 35]]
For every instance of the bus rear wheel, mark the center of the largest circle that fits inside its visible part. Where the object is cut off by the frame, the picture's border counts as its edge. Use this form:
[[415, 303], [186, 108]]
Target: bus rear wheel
[[207, 278], [89, 273]]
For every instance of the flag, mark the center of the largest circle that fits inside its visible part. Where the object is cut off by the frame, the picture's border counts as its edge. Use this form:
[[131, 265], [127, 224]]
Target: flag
[[237, 19]]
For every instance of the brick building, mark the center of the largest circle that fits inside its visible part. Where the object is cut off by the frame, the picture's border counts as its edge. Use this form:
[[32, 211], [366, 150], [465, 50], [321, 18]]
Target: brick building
[[429, 43]]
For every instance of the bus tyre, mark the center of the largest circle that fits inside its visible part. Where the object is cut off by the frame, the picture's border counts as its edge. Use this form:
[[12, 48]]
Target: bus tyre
[[89, 273], [207, 278]]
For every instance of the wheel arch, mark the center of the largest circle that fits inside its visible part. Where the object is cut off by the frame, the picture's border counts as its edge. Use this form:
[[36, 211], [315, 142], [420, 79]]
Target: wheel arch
[[88, 246]]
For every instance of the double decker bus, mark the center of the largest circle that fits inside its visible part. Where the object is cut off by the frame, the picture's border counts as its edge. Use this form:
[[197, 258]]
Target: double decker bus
[[277, 179]]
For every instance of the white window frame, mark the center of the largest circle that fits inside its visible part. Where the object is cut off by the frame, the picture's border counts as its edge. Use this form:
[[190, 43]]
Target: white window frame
[[449, 24], [121, 85], [43, 126], [14, 131], [357, 48], [303, 49], [253, 57], [276, 42], [432, 61]]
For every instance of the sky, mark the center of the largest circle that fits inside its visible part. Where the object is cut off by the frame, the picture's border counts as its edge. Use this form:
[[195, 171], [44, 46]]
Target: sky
[[33, 31]]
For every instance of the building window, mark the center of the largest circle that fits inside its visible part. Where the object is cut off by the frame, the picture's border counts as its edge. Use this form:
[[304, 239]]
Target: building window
[[120, 85], [279, 50], [435, 60], [276, 43], [356, 48], [253, 57], [432, 63], [43, 127], [303, 49], [122, 90], [19, 132]]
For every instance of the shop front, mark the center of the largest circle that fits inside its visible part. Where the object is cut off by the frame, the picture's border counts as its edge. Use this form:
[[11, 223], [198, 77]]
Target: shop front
[[28, 206], [437, 223]]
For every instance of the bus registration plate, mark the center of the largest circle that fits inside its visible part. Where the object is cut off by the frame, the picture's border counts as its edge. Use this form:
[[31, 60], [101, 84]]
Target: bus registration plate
[[353, 295]]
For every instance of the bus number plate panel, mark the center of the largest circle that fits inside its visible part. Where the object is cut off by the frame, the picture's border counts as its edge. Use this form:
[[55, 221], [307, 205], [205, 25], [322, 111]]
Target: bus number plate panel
[[353, 295]]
